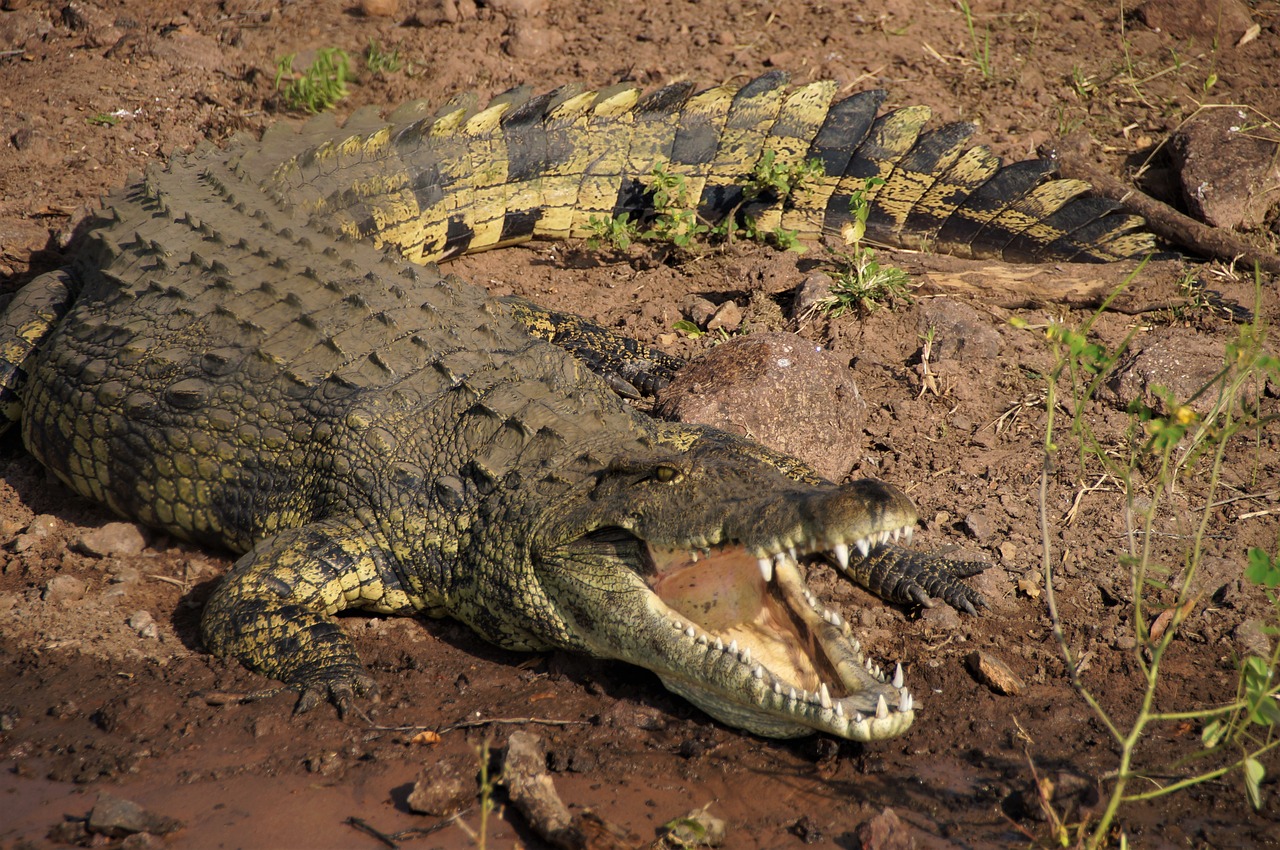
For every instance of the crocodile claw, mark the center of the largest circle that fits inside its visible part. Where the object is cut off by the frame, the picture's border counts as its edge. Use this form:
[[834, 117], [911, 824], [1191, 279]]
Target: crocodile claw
[[339, 689]]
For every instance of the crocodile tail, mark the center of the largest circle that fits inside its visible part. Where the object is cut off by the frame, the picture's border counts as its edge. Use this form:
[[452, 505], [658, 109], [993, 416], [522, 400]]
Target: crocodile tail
[[466, 178], [27, 321]]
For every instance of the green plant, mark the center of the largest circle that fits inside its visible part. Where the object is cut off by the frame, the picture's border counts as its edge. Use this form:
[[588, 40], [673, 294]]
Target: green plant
[[981, 46], [320, 86], [1166, 445], [103, 119], [615, 231], [380, 61]]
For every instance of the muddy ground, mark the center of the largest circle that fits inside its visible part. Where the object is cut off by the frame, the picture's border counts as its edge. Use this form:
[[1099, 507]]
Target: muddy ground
[[104, 688]]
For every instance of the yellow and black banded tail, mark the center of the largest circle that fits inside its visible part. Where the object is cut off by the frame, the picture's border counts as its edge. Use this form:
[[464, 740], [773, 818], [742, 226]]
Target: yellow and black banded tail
[[466, 178]]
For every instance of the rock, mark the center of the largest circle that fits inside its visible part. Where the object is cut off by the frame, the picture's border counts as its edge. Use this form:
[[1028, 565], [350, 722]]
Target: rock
[[37, 530], [809, 294], [532, 791], [885, 831], [1221, 21], [115, 818], [143, 623], [528, 40], [1181, 363], [518, 8], [1252, 638], [1229, 176], [379, 8], [699, 310], [778, 389], [978, 526], [444, 787], [62, 588], [121, 539], [959, 331], [728, 317], [994, 673]]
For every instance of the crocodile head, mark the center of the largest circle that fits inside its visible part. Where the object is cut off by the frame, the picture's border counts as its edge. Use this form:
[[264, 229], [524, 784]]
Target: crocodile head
[[690, 566]]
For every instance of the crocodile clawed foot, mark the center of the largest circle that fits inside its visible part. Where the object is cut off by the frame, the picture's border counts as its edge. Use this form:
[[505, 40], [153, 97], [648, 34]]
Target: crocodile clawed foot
[[341, 689]]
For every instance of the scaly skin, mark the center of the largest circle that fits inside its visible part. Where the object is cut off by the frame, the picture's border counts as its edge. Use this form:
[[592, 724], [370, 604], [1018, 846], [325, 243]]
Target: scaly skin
[[241, 363]]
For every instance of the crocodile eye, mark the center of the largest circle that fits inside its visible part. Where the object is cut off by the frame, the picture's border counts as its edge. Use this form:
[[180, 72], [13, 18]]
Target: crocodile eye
[[666, 474]]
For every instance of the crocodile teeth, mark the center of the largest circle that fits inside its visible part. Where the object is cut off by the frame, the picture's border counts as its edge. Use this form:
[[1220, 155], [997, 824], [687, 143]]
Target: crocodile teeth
[[864, 546], [824, 695], [842, 554], [897, 676], [690, 632], [745, 655], [839, 709], [733, 647], [897, 533], [792, 695], [719, 644], [908, 533], [758, 672], [905, 702], [766, 569], [882, 708], [777, 687]]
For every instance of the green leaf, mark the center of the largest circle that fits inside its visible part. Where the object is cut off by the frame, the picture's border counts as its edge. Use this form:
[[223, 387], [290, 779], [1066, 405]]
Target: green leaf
[[1254, 773], [1212, 733], [1262, 568]]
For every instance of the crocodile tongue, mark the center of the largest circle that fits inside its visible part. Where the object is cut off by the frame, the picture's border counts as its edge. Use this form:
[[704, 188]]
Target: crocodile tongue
[[777, 622]]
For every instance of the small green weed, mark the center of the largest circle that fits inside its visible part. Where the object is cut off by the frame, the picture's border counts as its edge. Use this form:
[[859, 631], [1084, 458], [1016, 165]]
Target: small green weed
[[103, 119], [859, 281], [318, 88], [380, 61], [981, 46], [615, 231]]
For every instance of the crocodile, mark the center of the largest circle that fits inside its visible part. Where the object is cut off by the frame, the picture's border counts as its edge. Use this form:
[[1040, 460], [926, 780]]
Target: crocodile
[[253, 348]]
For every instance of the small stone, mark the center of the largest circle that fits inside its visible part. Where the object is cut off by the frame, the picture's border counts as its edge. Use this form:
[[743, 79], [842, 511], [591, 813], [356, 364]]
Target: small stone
[[518, 8], [809, 295], [528, 40], [941, 618], [699, 310], [994, 673], [115, 818], [1251, 636], [379, 8], [727, 317], [121, 539], [1008, 552], [885, 831], [143, 623], [38, 529], [62, 588], [1228, 173], [978, 526], [959, 332], [444, 787]]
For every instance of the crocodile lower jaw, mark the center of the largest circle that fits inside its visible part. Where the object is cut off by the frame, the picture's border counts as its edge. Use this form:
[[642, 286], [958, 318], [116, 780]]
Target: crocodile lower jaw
[[758, 650]]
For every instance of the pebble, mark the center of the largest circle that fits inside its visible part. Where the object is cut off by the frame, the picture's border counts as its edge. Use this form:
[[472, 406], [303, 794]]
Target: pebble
[[444, 787], [143, 623], [114, 538], [63, 588]]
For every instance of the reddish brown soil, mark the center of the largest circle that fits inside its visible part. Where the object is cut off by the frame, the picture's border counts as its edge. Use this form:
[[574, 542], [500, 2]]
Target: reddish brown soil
[[90, 703]]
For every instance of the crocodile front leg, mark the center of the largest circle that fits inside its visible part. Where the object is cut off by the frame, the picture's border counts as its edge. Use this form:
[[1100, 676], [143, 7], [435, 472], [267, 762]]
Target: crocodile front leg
[[273, 610]]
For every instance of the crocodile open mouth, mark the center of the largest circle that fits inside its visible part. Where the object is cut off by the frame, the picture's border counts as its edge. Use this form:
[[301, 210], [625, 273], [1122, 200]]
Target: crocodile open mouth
[[759, 611]]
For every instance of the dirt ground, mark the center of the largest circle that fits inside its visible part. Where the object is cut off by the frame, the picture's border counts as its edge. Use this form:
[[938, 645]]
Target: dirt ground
[[104, 688]]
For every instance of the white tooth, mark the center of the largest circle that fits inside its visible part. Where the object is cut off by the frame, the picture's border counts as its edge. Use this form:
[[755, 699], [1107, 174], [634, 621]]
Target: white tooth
[[679, 626], [745, 655], [719, 644], [693, 556], [909, 532], [882, 708], [864, 546], [792, 552], [905, 702], [897, 533], [839, 709], [842, 554], [733, 647], [857, 718], [690, 632], [866, 662], [758, 672], [777, 687], [792, 695], [897, 676], [766, 569], [824, 695], [702, 639]]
